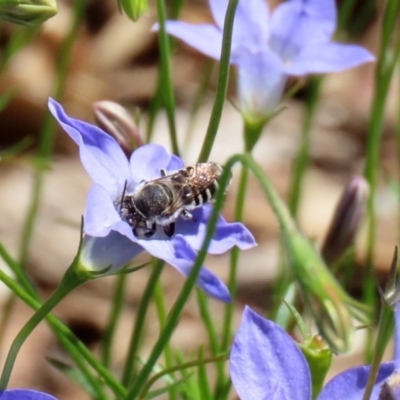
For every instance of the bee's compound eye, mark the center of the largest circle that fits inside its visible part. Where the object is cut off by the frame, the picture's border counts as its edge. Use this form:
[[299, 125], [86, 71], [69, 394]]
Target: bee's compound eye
[[153, 199]]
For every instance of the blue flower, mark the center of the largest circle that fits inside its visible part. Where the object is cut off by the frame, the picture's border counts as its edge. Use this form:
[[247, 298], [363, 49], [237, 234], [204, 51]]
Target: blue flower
[[109, 240], [265, 363], [24, 394], [294, 40]]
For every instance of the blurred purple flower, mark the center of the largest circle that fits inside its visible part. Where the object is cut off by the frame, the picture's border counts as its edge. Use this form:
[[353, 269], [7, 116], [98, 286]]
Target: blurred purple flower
[[109, 240], [294, 40], [24, 394], [265, 363]]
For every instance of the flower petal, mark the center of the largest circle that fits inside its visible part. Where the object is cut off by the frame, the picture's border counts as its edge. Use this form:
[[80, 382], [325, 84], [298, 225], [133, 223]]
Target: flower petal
[[206, 38], [24, 394], [181, 256], [261, 80], [112, 251], [218, 10], [328, 57], [397, 337], [265, 362], [227, 234], [100, 154], [296, 24], [148, 160], [100, 214], [351, 384], [250, 29], [175, 164]]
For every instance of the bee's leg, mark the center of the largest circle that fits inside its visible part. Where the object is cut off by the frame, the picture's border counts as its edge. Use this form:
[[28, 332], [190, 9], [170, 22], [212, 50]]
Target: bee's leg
[[163, 172], [169, 229], [151, 231], [186, 214]]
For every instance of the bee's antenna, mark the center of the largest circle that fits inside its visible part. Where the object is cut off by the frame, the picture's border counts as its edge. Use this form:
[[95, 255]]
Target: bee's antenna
[[123, 194]]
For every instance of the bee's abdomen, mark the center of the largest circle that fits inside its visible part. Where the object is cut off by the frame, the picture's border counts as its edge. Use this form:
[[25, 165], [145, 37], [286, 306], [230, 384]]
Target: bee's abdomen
[[205, 195]]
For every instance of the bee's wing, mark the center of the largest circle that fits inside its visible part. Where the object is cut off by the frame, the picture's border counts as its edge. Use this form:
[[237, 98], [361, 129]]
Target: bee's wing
[[183, 194]]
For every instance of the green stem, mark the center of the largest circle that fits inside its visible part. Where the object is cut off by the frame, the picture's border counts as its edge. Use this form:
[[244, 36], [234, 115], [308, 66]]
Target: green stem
[[398, 153], [162, 317], [7, 309], [386, 327], [198, 102], [116, 309], [303, 156], [72, 344], [181, 367], [154, 108], [206, 317], [252, 132], [235, 253], [202, 379], [47, 137], [210, 326], [386, 64], [222, 85], [70, 281], [129, 371], [287, 226], [166, 80], [19, 38], [176, 310]]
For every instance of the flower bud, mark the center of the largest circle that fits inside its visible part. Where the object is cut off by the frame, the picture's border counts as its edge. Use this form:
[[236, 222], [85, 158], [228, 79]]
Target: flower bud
[[332, 308], [346, 220], [391, 294], [27, 12], [117, 122], [134, 8], [319, 358]]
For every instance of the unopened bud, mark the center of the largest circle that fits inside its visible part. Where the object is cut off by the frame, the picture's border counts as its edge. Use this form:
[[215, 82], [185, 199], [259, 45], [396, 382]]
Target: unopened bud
[[134, 8], [319, 359], [27, 12], [117, 122], [346, 220], [391, 294]]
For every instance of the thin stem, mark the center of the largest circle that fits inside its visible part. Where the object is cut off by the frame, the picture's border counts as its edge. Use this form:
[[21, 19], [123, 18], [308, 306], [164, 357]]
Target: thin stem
[[386, 327], [210, 326], [70, 281], [166, 80], [198, 102], [72, 344], [180, 367], [222, 85], [176, 310], [206, 316], [202, 379], [235, 253], [115, 313], [303, 156], [48, 134], [129, 371], [252, 132], [154, 108], [162, 317], [386, 64]]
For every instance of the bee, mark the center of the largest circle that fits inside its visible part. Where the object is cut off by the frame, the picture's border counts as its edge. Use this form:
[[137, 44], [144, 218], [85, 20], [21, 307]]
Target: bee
[[163, 200]]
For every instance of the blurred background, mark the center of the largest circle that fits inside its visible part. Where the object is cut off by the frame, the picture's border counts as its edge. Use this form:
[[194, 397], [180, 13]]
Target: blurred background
[[113, 58]]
